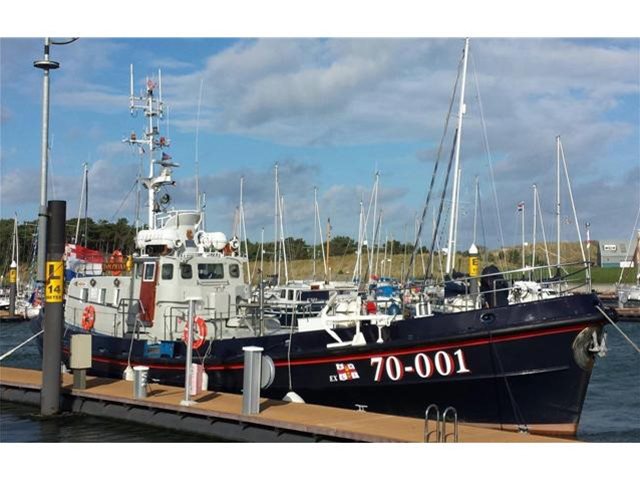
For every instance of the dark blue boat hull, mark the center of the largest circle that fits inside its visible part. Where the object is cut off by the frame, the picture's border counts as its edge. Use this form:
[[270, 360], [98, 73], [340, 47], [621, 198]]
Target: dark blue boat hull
[[506, 366]]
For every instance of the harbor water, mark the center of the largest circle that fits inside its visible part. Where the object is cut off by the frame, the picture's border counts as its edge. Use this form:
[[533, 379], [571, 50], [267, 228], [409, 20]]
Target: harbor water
[[611, 411]]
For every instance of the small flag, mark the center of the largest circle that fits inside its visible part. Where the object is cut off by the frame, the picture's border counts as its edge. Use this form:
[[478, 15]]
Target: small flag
[[346, 372], [521, 206], [165, 156]]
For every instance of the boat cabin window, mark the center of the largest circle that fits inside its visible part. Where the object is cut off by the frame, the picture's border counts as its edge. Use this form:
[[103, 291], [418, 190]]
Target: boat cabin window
[[283, 294], [210, 271], [84, 295], [185, 271], [167, 271], [315, 295], [138, 270], [234, 270], [290, 294], [149, 272]]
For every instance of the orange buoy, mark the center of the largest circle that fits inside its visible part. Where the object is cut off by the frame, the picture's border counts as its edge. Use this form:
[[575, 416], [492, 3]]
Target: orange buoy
[[200, 332], [88, 317]]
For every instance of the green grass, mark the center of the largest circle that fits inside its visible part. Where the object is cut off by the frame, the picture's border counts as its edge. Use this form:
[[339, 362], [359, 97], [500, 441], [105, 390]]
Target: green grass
[[611, 275]]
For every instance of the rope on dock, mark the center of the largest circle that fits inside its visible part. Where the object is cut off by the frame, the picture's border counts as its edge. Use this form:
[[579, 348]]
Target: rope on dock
[[20, 346], [618, 328]]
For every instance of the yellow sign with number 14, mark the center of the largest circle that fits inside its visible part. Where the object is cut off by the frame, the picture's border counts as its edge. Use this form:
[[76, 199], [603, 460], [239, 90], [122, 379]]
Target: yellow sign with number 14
[[54, 287]]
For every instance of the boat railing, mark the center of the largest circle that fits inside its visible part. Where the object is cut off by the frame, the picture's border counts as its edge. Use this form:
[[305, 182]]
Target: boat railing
[[129, 310], [163, 218], [518, 286]]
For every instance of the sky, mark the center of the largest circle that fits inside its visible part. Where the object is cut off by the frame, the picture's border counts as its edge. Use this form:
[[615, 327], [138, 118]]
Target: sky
[[332, 111]]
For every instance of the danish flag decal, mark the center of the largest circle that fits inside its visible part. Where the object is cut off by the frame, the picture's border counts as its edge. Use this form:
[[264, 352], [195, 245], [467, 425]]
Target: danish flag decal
[[346, 372]]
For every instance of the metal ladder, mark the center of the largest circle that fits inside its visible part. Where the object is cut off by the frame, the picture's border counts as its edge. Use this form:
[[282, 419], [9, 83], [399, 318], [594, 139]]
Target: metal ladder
[[440, 430]]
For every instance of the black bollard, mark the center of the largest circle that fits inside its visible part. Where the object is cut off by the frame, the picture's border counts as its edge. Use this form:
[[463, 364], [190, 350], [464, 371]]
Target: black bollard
[[54, 311]]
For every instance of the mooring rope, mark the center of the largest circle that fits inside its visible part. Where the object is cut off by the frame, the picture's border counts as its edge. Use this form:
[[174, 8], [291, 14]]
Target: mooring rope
[[618, 328], [20, 346]]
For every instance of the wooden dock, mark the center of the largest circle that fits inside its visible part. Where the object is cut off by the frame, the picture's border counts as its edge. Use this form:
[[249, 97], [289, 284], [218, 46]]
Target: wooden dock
[[628, 314], [220, 414], [5, 317]]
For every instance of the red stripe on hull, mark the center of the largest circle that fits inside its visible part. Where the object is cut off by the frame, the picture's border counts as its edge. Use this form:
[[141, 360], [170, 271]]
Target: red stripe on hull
[[346, 358]]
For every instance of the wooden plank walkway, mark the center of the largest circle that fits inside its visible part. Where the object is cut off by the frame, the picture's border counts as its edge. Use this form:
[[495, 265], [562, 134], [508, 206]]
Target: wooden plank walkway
[[312, 420]]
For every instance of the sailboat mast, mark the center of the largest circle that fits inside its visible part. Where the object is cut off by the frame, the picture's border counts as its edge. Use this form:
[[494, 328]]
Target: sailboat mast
[[82, 194], [475, 210], [573, 204], [558, 202], [197, 159], [524, 251], [535, 218], [328, 272], [451, 247], [16, 251], [262, 250], [243, 227], [284, 250], [275, 226], [374, 225], [315, 229], [357, 271]]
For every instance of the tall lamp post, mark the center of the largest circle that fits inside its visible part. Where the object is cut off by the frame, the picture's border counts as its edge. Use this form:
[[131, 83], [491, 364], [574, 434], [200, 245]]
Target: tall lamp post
[[45, 65]]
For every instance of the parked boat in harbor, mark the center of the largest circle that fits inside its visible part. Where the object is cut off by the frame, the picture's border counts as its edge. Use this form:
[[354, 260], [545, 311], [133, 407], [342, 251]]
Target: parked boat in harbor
[[512, 365]]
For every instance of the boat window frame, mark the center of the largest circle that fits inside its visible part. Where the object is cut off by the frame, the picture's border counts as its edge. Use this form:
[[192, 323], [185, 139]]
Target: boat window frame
[[167, 271], [234, 270], [184, 268], [145, 276], [211, 271]]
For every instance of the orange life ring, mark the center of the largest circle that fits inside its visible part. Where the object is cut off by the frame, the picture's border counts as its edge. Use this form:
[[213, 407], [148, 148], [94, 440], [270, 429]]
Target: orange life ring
[[200, 332], [88, 317]]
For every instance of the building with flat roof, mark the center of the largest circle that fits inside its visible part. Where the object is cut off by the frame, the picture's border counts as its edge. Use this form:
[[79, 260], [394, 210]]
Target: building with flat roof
[[615, 253]]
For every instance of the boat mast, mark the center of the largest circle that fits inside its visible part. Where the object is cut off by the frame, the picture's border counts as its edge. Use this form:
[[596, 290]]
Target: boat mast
[[357, 271], [315, 230], [328, 275], [573, 204], [451, 247], [374, 225], [243, 228], [197, 159], [535, 217], [154, 110], [284, 251], [523, 242], [15, 251], [544, 234], [276, 263], [82, 196], [317, 225], [558, 204], [262, 251]]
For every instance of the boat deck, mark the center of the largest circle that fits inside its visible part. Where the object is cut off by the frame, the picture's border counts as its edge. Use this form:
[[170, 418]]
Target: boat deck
[[219, 414]]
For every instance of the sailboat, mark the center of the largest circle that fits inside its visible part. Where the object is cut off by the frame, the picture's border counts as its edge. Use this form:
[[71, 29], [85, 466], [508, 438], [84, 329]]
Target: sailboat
[[519, 366], [12, 298]]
